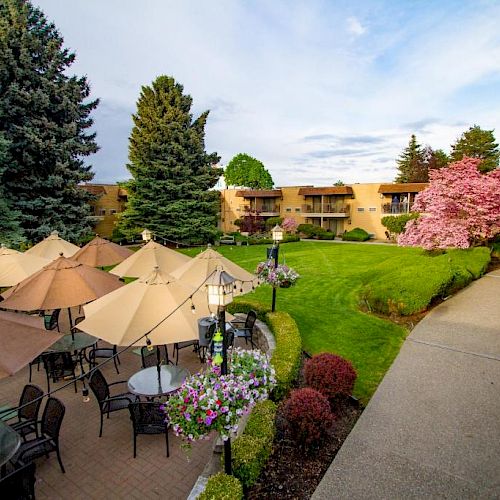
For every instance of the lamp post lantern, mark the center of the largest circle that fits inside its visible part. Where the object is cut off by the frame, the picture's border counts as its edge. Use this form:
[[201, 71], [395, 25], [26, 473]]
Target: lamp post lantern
[[277, 233], [220, 293], [146, 235]]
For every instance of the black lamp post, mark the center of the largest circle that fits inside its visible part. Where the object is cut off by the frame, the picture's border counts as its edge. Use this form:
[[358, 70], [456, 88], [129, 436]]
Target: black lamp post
[[220, 293], [273, 252]]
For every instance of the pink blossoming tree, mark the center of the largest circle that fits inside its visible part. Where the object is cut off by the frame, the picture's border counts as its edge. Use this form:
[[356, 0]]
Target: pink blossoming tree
[[460, 208], [289, 225]]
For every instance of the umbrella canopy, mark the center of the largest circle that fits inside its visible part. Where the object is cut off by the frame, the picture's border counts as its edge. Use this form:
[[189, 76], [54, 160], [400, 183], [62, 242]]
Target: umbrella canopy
[[122, 316], [199, 268], [148, 257], [52, 246], [60, 284], [22, 338], [16, 266], [100, 252]]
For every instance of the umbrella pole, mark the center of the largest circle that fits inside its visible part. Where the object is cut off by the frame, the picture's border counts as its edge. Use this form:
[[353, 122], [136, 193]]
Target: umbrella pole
[[71, 324], [158, 368]]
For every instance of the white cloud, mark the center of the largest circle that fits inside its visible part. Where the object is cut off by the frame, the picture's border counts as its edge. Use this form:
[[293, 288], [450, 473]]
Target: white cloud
[[355, 27]]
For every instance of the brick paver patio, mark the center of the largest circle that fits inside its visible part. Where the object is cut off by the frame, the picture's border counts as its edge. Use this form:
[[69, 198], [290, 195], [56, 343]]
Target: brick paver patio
[[98, 468]]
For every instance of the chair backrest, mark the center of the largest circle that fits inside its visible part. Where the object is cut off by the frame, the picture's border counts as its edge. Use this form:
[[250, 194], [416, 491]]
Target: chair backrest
[[99, 386], [147, 414], [52, 418], [251, 318], [30, 393], [19, 484], [51, 320], [151, 358]]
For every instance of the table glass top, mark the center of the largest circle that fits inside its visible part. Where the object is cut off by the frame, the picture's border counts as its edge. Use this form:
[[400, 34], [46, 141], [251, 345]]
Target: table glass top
[[149, 383], [68, 344], [10, 441]]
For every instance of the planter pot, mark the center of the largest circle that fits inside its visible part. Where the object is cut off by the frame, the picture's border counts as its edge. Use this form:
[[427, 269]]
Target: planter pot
[[285, 284]]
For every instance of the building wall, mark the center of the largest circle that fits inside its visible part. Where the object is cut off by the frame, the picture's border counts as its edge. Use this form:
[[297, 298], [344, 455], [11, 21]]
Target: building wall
[[365, 209]]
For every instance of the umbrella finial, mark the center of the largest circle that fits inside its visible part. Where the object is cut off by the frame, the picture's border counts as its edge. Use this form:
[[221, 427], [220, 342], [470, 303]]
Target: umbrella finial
[[61, 254], [54, 233]]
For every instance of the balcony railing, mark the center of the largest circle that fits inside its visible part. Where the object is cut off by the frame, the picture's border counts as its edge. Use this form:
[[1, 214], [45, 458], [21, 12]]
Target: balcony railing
[[397, 208], [327, 209], [260, 209]]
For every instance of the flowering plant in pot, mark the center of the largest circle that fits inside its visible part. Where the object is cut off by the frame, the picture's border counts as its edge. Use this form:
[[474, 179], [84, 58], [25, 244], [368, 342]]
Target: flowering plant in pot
[[276, 276], [209, 401]]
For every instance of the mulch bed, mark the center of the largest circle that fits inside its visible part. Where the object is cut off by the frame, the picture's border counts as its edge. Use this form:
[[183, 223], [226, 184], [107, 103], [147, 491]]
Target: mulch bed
[[294, 474]]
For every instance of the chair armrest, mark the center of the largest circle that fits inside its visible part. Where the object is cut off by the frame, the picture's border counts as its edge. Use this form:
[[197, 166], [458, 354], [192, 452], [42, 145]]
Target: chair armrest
[[28, 446], [119, 382], [118, 398]]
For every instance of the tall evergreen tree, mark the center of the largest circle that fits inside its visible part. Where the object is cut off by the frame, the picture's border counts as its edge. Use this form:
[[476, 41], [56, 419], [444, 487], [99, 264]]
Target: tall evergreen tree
[[45, 116], [169, 193], [411, 164], [477, 143]]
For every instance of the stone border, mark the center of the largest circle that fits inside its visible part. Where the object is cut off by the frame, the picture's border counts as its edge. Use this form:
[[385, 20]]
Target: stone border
[[265, 341]]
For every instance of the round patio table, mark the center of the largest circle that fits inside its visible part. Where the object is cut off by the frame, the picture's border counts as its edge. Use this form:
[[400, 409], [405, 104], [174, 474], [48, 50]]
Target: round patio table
[[153, 382], [67, 343], [10, 441]]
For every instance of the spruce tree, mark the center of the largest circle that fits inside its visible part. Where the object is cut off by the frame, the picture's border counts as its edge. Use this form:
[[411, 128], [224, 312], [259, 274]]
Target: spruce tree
[[44, 115], [169, 192], [477, 143], [411, 163]]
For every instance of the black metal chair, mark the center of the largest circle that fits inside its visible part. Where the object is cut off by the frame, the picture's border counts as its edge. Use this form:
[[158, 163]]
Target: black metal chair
[[203, 347], [244, 329], [58, 366], [148, 418], [151, 358], [108, 403], [48, 440], [98, 352], [182, 345], [27, 416], [51, 321], [19, 484]]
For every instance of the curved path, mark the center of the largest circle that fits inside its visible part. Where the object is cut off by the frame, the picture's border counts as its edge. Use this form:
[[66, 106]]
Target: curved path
[[432, 428]]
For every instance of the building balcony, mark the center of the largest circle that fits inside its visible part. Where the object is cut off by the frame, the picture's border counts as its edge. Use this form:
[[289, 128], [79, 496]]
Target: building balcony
[[396, 208], [261, 210], [326, 210]]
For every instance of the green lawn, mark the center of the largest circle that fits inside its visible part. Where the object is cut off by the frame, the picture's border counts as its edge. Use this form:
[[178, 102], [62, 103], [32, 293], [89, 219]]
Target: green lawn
[[324, 303]]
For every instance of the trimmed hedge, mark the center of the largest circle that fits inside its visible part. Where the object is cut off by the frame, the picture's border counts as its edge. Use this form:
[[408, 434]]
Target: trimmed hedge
[[287, 355], [246, 303], [251, 451], [408, 285], [316, 232], [222, 487], [357, 234]]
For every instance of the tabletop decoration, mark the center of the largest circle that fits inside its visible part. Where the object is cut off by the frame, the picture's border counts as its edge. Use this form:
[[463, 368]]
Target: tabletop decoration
[[277, 276], [209, 401]]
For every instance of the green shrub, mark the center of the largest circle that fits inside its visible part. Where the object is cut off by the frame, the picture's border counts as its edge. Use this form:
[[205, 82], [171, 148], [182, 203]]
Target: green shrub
[[287, 355], [222, 487], [410, 284], [246, 303], [317, 232], [272, 221], [251, 451], [326, 236], [357, 234], [396, 223]]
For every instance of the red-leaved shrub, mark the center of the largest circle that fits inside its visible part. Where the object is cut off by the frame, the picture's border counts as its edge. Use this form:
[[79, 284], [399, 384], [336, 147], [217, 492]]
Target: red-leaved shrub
[[308, 415], [330, 374]]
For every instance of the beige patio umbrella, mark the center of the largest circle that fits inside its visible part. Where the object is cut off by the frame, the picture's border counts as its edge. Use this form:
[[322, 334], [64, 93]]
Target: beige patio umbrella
[[62, 283], [199, 268], [100, 252], [148, 257], [22, 338], [16, 266], [122, 316], [52, 246]]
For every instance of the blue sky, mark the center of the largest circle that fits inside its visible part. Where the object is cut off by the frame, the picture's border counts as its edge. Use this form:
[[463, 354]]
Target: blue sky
[[317, 90]]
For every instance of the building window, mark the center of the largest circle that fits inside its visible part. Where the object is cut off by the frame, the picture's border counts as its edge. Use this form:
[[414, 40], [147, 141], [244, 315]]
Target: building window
[[112, 211], [372, 209], [288, 209], [361, 209], [297, 209], [101, 211]]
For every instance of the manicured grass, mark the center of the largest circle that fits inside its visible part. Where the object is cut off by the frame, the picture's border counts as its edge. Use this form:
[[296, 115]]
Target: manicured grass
[[325, 302]]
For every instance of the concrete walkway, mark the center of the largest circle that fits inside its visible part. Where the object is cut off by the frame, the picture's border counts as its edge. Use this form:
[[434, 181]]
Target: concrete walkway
[[432, 428]]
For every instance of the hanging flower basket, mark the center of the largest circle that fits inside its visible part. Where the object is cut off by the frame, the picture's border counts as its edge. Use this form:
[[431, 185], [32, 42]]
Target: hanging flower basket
[[280, 276], [210, 401]]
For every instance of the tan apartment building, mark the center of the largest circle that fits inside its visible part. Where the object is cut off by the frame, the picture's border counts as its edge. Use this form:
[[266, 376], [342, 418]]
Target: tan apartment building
[[111, 200], [335, 208]]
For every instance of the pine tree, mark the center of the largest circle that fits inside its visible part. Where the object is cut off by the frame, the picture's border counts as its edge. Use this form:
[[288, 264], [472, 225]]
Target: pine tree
[[477, 143], [169, 193], [44, 116], [411, 163]]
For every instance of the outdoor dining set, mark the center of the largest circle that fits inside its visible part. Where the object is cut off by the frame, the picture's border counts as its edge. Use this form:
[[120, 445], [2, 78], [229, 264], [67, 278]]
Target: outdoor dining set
[[164, 308]]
